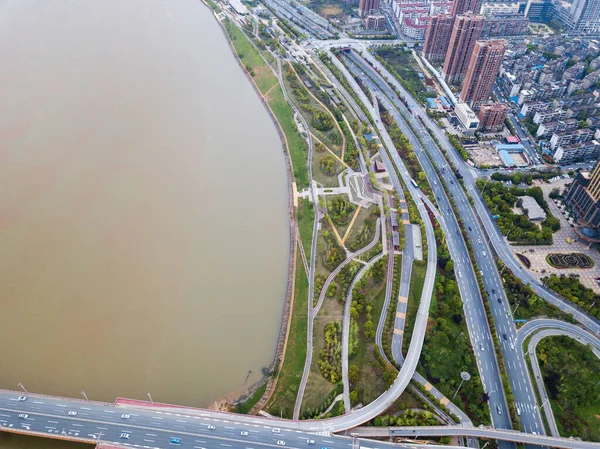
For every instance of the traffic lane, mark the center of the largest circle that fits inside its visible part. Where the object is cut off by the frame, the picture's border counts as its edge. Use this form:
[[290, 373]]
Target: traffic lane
[[124, 432], [485, 358], [481, 348]]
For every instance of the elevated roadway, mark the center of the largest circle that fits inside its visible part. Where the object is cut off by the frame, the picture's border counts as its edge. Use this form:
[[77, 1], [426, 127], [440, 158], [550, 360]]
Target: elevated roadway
[[477, 432]]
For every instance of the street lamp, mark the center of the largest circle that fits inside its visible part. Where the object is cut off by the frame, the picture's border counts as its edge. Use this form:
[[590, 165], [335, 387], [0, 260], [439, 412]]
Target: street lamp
[[22, 387], [84, 395], [464, 376], [485, 445], [150, 396]]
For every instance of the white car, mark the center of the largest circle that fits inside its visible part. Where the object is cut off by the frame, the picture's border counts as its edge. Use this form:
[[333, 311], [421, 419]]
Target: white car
[[280, 443], [124, 436], [125, 416], [211, 427], [23, 415], [275, 430], [22, 398], [310, 441], [244, 433], [72, 413]]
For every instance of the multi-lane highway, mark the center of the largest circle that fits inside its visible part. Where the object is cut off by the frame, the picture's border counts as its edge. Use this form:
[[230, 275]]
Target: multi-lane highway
[[466, 279], [159, 427]]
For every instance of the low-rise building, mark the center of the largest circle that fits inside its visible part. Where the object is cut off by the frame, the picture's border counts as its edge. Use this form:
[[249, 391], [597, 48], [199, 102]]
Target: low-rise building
[[467, 117], [577, 152], [558, 126], [571, 137], [505, 25], [375, 23], [549, 116], [533, 210]]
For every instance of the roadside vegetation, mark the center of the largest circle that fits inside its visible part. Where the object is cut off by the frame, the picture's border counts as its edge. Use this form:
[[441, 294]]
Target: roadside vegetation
[[571, 373], [570, 288], [522, 178], [447, 348], [501, 200], [523, 301], [402, 65]]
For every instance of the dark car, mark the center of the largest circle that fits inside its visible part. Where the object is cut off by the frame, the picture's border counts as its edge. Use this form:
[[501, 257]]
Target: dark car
[[505, 337]]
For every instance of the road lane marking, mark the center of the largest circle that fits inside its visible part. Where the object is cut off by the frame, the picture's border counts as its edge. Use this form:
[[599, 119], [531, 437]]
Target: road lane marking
[[37, 402], [149, 441]]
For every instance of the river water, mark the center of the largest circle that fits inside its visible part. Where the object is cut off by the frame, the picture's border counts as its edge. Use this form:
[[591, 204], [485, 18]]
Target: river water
[[143, 204]]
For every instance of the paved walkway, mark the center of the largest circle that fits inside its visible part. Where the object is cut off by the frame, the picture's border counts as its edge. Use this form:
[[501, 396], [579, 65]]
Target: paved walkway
[[537, 254]]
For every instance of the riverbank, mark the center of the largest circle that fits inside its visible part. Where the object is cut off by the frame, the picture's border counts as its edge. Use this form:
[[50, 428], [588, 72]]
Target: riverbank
[[267, 87]]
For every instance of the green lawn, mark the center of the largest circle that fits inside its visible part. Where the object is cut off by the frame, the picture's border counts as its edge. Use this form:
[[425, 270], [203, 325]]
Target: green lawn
[[297, 145], [283, 400], [306, 220], [246, 406]]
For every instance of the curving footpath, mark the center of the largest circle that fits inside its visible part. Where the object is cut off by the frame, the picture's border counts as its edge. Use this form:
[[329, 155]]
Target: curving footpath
[[346, 330], [313, 311]]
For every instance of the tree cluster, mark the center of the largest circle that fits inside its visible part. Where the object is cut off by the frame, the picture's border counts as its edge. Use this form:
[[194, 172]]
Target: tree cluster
[[571, 372], [330, 357], [570, 288], [500, 199], [340, 210]]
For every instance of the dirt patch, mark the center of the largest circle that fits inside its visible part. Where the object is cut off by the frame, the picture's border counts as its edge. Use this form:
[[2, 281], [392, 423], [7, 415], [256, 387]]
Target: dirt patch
[[331, 11]]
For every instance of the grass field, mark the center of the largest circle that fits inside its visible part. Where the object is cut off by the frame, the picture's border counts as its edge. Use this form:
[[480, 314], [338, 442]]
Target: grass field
[[282, 401], [306, 219]]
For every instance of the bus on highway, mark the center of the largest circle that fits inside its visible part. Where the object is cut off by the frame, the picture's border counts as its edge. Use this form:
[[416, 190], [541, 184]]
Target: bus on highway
[[414, 183]]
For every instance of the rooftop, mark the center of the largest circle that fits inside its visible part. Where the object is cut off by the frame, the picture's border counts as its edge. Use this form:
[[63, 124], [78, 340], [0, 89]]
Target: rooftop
[[534, 211]]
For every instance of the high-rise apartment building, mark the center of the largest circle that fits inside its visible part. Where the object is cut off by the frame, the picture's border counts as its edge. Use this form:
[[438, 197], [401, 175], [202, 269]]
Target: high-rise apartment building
[[437, 37], [368, 7], [491, 116], [482, 72], [465, 32], [460, 7], [580, 15], [583, 197]]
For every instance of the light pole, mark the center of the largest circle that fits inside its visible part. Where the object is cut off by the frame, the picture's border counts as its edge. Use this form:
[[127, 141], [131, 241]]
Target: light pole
[[464, 376], [22, 387], [150, 396], [516, 309], [84, 395], [485, 445], [591, 306]]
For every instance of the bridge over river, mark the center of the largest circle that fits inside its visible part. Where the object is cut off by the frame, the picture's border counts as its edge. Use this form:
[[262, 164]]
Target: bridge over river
[[132, 423]]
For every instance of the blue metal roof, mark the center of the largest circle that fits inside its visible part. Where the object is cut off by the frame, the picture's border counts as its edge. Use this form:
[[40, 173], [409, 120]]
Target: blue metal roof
[[510, 147], [505, 156]]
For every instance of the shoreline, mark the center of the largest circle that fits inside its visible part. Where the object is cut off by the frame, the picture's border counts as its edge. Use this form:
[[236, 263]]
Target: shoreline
[[275, 366]]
